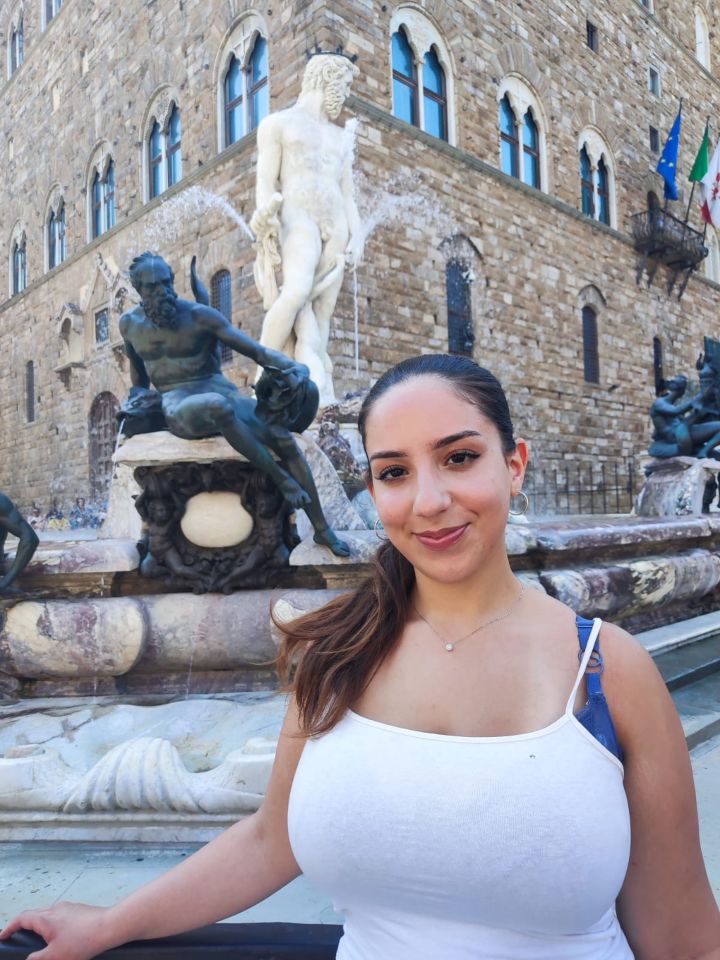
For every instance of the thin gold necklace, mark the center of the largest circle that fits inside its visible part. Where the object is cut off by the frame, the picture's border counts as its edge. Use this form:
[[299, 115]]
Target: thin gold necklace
[[451, 644]]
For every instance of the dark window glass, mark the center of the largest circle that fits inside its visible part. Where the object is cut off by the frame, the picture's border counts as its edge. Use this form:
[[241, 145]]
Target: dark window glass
[[52, 254], [654, 81], [96, 192], [509, 144], [156, 186], [591, 35], [603, 192], [102, 430], [56, 237], [404, 79], [234, 128], [60, 229], [221, 299], [654, 140], [51, 8], [174, 155], [403, 61], [17, 47], [102, 326], [30, 391], [19, 267], [460, 324], [258, 88], [434, 96], [109, 196], [586, 184], [591, 362], [531, 151], [658, 364]]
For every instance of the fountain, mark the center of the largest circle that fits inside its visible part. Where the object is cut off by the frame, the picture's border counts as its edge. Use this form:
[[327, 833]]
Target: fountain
[[136, 708]]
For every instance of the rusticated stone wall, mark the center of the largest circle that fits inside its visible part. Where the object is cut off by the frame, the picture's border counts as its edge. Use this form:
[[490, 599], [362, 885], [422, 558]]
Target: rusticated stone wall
[[533, 255]]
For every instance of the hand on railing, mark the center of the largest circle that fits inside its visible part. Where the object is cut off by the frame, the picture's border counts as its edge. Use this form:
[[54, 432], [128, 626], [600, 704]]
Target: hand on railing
[[72, 931]]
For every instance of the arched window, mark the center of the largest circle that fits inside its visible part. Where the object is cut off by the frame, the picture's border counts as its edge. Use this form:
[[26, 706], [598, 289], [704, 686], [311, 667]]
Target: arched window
[[102, 201], [461, 335], [422, 75], [174, 156], [156, 157], [164, 153], [405, 87], [51, 9], [102, 430], [246, 92], [658, 365], [531, 151], [603, 192], [30, 391], [591, 360], [586, 184], [702, 39], [234, 125], [221, 299], [56, 236], [19, 265], [597, 180], [434, 96], [522, 127], [258, 82], [17, 47], [509, 142]]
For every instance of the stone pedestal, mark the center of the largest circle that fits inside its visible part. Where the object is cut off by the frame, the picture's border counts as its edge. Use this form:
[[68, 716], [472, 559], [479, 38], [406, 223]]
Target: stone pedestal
[[675, 487]]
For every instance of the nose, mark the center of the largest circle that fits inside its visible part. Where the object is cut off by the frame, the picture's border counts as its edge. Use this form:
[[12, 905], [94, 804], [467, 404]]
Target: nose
[[431, 495]]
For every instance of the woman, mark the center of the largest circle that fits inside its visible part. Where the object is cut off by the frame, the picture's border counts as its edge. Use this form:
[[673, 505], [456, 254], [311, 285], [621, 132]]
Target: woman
[[432, 772]]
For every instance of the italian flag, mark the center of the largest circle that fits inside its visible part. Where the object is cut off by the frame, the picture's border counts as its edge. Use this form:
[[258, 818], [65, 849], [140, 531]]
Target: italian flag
[[706, 172]]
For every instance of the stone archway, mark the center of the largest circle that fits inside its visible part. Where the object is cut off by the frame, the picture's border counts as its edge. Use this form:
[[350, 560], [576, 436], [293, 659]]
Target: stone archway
[[102, 433]]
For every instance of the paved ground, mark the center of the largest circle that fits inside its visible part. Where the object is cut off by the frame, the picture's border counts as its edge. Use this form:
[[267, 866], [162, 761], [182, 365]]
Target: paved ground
[[39, 874]]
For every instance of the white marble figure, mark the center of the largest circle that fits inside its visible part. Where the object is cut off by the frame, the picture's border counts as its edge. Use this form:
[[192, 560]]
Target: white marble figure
[[306, 221]]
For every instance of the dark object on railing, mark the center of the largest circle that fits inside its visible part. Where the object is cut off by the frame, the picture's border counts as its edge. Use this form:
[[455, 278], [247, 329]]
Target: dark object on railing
[[662, 238], [221, 941]]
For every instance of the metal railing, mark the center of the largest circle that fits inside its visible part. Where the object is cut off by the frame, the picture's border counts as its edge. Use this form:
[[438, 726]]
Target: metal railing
[[221, 941], [661, 235], [578, 488]]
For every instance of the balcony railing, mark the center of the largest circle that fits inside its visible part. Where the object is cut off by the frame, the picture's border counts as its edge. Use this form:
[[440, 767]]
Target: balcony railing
[[221, 941], [662, 238]]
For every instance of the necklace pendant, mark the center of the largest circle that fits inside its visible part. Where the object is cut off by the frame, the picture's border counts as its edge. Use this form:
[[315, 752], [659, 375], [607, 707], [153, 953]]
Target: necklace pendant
[[449, 647]]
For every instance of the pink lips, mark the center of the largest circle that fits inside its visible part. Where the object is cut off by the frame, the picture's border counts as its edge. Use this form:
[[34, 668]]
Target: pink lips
[[441, 539]]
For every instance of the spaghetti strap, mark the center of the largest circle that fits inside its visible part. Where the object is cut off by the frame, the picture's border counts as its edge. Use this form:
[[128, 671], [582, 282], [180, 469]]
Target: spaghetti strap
[[587, 654]]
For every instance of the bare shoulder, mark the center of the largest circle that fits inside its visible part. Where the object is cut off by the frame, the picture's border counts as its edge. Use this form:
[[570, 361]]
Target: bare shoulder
[[270, 127], [128, 319]]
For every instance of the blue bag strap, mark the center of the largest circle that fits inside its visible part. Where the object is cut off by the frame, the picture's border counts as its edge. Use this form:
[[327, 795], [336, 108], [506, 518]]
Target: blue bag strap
[[592, 678]]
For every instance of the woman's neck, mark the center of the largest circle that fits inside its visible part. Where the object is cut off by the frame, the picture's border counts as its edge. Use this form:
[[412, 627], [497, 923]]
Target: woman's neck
[[485, 594]]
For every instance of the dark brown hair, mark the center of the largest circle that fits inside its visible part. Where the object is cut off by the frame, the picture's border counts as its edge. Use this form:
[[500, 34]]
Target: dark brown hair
[[336, 650]]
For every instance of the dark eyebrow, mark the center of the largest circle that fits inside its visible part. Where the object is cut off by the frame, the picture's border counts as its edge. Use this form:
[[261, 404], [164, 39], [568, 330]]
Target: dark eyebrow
[[438, 445]]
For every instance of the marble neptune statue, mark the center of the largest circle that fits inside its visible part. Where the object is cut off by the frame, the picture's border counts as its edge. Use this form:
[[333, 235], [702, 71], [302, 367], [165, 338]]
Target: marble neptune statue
[[306, 221]]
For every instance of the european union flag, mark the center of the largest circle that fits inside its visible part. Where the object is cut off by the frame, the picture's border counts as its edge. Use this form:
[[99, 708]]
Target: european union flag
[[667, 164]]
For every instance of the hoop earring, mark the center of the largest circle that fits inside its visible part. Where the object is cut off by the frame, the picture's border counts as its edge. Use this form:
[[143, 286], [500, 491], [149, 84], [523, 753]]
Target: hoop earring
[[377, 527], [525, 505]]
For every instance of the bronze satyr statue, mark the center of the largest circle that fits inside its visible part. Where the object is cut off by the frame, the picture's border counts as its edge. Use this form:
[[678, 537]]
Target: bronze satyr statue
[[173, 344], [12, 521], [689, 428]]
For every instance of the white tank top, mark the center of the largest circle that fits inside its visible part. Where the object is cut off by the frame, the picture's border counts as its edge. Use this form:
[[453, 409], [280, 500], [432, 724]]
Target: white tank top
[[439, 847]]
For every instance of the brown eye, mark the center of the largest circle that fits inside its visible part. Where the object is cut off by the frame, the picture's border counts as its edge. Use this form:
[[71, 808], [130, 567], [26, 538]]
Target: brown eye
[[460, 457], [390, 473]]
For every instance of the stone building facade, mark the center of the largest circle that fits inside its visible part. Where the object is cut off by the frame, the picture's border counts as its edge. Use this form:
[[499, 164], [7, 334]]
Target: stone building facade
[[87, 85]]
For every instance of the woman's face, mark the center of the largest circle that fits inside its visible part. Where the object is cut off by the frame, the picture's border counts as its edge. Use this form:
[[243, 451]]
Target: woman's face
[[439, 478]]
